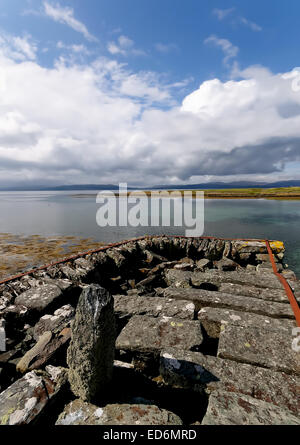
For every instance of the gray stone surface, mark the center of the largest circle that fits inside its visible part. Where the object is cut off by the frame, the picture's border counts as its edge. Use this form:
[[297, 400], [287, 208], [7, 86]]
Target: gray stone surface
[[127, 306], [289, 275], [264, 257], [184, 266], [227, 408], [244, 246], [237, 277], [277, 295], [226, 264], [91, 352], [117, 257], [25, 399], [259, 346], [54, 323], [201, 298], [152, 257], [39, 298], [213, 318], [203, 264], [82, 413], [178, 278], [193, 370], [30, 355], [51, 349], [148, 334]]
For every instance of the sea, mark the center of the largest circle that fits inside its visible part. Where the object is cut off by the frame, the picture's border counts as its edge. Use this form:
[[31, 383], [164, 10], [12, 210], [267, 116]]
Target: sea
[[61, 213]]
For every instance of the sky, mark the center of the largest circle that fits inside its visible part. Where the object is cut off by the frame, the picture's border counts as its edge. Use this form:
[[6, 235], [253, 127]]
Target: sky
[[149, 91]]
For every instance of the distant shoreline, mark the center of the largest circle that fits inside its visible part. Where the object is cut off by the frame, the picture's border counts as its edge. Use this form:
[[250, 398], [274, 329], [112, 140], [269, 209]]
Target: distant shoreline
[[282, 193]]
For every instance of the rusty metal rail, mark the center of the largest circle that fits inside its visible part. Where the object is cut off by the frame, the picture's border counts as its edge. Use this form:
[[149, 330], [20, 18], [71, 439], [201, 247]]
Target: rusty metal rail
[[287, 288]]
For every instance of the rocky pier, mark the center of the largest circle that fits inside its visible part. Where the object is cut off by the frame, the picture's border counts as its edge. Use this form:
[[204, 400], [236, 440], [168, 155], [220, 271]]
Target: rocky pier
[[155, 331]]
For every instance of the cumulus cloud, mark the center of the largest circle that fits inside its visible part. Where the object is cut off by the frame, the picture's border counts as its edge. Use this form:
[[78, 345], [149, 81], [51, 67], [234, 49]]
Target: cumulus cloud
[[102, 123], [230, 51], [65, 15], [124, 46]]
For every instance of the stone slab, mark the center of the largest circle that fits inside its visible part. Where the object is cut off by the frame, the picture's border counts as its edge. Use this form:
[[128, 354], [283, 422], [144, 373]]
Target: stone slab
[[82, 413], [225, 408], [245, 246], [54, 323], [149, 334], [259, 346], [193, 370], [127, 306], [51, 349], [34, 352], [39, 298], [26, 398], [201, 298], [178, 278], [213, 318], [250, 278], [277, 295]]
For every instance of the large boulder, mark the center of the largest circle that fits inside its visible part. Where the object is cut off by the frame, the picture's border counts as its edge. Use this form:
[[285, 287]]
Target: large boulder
[[40, 298]]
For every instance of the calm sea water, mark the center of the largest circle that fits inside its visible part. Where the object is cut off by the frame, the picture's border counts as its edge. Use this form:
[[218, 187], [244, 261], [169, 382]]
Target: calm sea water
[[60, 213]]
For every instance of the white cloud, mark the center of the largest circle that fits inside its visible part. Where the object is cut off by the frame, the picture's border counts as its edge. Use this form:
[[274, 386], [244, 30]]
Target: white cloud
[[125, 42], [18, 48], [65, 15], [166, 47], [124, 46], [102, 123], [230, 51], [222, 13], [78, 49], [250, 24]]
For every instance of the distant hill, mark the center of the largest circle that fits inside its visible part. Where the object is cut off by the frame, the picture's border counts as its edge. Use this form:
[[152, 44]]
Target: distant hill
[[205, 186], [231, 185]]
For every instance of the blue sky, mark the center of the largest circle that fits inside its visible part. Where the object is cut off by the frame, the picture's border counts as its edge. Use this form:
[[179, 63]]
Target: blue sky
[[149, 91]]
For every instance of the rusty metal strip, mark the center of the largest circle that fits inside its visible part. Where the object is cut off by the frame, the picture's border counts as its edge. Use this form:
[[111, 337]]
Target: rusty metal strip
[[288, 290]]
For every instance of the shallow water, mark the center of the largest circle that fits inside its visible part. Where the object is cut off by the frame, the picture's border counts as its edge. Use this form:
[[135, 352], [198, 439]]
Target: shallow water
[[51, 214]]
